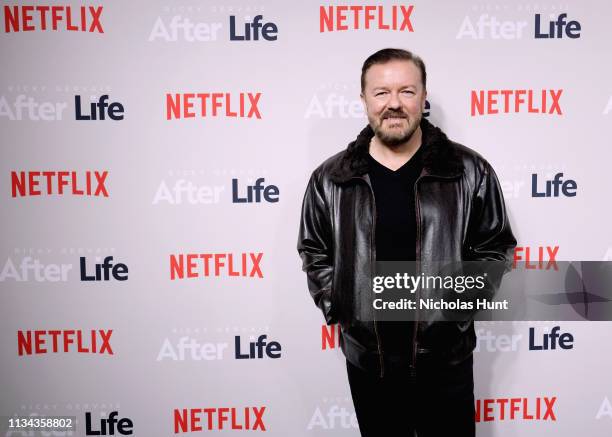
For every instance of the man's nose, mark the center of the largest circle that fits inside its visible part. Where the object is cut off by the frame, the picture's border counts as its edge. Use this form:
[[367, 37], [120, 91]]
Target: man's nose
[[393, 102]]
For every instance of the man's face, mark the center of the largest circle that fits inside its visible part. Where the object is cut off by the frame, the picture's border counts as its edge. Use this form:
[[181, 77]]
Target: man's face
[[394, 99]]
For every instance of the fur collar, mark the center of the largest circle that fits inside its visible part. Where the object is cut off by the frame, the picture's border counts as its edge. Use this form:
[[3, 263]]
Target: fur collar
[[440, 156]]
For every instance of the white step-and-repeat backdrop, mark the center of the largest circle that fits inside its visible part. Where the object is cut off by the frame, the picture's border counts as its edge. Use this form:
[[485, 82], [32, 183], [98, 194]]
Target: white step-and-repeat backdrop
[[154, 159]]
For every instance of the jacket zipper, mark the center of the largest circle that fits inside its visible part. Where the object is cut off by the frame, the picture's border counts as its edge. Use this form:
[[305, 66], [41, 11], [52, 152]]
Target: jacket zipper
[[372, 256], [418, 263]]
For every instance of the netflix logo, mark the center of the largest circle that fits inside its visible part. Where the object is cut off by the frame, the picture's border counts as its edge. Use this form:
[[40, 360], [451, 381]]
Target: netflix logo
[[64, 341], [38, 183], [330, 336], [357, 17], [540, 408], [205, 265], [536, 257], [219, 418], [29, 18], [206, 105], [506, 101]]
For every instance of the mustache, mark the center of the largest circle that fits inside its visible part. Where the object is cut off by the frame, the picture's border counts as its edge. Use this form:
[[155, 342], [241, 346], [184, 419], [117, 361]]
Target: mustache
[[394, 114]]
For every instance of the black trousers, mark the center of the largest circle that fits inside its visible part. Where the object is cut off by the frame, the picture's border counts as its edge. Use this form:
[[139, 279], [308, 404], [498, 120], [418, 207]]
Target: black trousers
[[438, 402]]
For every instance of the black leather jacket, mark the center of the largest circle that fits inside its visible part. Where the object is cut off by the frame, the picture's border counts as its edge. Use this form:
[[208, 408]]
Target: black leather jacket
[[460, 216]]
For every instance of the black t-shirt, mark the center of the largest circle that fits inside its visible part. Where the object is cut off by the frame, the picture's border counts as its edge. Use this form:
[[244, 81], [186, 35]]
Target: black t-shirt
[[395, 232], [395, 209]]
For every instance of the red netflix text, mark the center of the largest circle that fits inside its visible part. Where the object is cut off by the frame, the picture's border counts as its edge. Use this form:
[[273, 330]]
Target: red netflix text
[[64, 340], [27, 18], [355, 17], [330, 336], [37, 183], [536, 258], [192, 105], [515, 101], [488, 410], [196, 265], [225, 418]]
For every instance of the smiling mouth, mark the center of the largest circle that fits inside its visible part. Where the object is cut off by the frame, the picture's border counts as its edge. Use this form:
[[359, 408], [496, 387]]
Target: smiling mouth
[[394, 119]]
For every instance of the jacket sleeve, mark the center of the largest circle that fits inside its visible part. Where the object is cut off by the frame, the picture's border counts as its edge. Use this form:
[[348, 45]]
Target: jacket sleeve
[[489, 236], [315, 247]]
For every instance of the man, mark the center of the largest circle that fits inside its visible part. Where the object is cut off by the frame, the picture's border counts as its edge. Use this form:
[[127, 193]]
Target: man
[[401, 191]]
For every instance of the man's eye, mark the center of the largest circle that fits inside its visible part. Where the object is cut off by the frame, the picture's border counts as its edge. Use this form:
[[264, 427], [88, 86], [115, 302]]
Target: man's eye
[[408, 92], [380, 93]]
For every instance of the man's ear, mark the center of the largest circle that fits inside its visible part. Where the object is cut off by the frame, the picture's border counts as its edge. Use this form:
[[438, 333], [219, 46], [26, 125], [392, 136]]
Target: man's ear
[[424, 100]]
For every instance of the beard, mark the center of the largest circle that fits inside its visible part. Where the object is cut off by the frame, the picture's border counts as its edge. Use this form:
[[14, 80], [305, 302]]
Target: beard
[[393, 133]]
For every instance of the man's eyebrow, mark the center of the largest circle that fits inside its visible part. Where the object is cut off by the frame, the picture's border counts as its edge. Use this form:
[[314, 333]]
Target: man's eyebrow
[[382, 87]]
